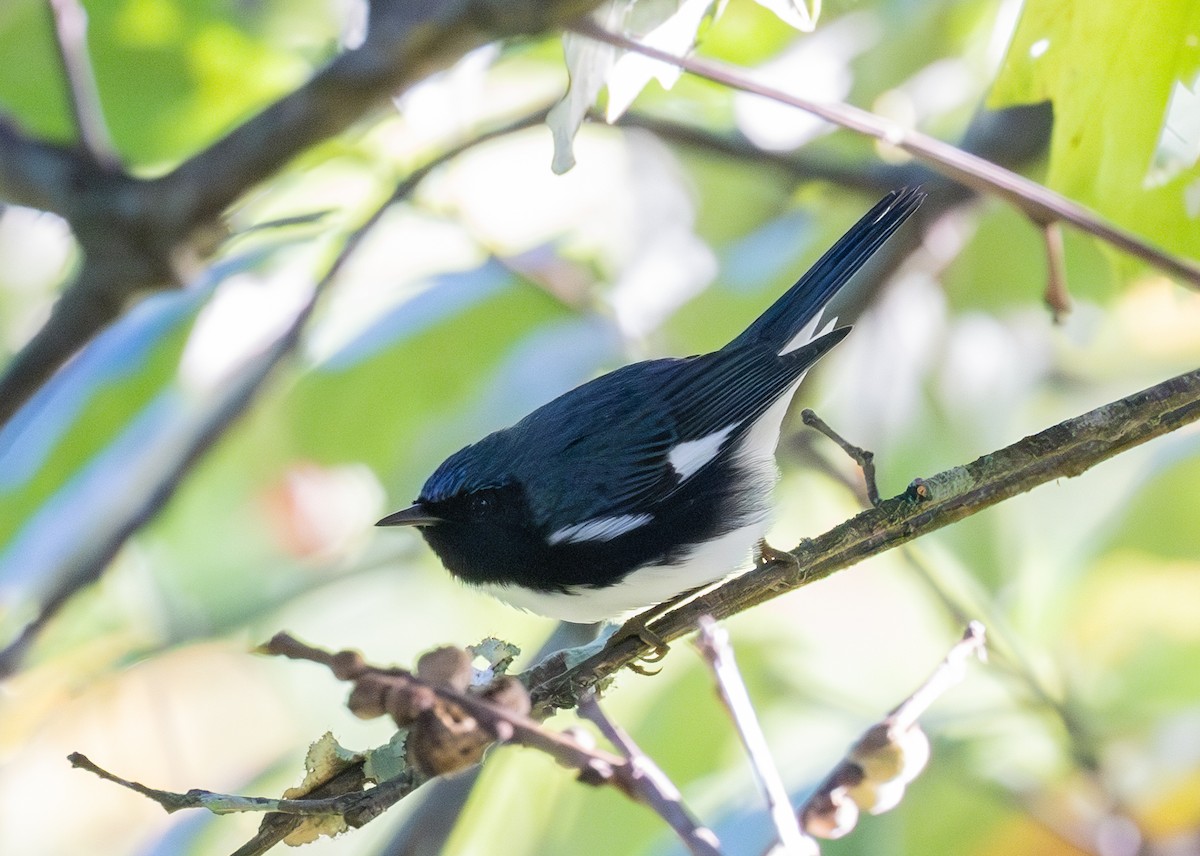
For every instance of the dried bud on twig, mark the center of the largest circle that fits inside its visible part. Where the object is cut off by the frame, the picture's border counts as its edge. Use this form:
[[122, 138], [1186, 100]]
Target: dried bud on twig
[[448, 666], [879, 766]]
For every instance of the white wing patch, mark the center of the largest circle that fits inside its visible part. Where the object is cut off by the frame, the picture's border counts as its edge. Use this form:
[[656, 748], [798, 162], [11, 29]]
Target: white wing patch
[[808, 332], [690, 456], [599, 528]]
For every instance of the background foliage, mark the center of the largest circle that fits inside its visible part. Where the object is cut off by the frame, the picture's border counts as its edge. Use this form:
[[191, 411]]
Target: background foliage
[[497, 286]]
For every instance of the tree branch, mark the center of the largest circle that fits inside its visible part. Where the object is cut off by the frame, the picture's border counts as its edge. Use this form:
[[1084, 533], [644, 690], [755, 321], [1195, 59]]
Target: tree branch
[[149, 231], [83, 567], [713, 644], [1038, 203], [70, 30], [1010, 137], [1064, 450]]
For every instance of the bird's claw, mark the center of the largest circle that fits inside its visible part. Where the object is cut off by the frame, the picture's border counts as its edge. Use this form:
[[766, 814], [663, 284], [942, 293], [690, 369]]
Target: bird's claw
[[636, 628], [768, 555]]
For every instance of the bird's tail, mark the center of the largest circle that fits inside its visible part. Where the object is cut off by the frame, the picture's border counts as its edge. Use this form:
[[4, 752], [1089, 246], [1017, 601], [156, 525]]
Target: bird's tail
[[799, 306]]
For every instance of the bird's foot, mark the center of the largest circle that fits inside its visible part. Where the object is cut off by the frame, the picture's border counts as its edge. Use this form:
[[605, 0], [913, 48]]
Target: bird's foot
[[765, 555], [636, 628]]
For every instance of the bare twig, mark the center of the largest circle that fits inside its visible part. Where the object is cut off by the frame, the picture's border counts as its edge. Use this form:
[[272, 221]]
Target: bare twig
[[1067, 449], [501, 723], [876, 770], [1038, 203], [651, 785], [218, 803], [495, 713], [632, 772], [948, 673], [70, 30], [713, 645], [1057, 296], [864, 458]]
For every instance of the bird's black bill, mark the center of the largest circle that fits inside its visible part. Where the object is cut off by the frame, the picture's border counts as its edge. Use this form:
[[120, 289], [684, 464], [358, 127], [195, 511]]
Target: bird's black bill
[[415, 515]]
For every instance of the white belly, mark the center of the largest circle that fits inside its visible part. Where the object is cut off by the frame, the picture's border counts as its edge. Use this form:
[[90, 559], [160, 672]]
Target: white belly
[[643, 588]]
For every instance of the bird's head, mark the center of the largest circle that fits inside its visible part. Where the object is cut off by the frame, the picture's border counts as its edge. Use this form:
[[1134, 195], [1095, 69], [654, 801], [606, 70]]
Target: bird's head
[[473, 514]]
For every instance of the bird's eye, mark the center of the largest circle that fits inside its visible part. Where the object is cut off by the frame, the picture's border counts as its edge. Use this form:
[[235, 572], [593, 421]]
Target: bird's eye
[[480, 504]]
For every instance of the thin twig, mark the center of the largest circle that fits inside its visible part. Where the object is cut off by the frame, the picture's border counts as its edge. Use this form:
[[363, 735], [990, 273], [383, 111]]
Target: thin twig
[[651, 785], [217, 803], [1038, 203], [632, 772], [1057, 295], [864, 458], [713, 645], [948, 673], [70, 30], [1067, 449], [503, 724], [875, 772]]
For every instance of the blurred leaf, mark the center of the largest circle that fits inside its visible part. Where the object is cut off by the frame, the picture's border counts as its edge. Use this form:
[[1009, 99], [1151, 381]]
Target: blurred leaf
[[1160, 518], [748, 34], [76, 460], [37, 97], [410, 366], [172, 74], [518, 798], [673, 29], [974, 280], [80, 463], [90, 404], [1134, 630], [668, 25], [1173, 809], [795, 13], [1108, 122]]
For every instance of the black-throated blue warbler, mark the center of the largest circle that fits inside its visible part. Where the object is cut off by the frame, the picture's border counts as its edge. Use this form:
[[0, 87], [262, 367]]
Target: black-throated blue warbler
[[646, 482]]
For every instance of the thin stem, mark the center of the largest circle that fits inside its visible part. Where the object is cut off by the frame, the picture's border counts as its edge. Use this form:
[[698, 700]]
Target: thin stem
[[713, 645], [865, 459], [1057, 295], [70, 30]]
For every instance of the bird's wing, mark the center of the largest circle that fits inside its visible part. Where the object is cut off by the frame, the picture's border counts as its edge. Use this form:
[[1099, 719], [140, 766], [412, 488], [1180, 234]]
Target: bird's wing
[[630, 439], [734, 386]]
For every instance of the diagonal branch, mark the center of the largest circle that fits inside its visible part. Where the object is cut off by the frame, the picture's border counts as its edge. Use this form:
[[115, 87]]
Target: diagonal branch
[[1039, 204], [1064, 450], [148, 234]]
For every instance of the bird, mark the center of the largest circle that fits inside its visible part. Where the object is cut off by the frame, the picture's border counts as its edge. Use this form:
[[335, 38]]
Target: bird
[[650, 481]]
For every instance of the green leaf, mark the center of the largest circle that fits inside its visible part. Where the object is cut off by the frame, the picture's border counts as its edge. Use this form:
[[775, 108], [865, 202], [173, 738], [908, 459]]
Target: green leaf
[[1110, 70], [975, 281], [1160, 518], [172, 75]]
